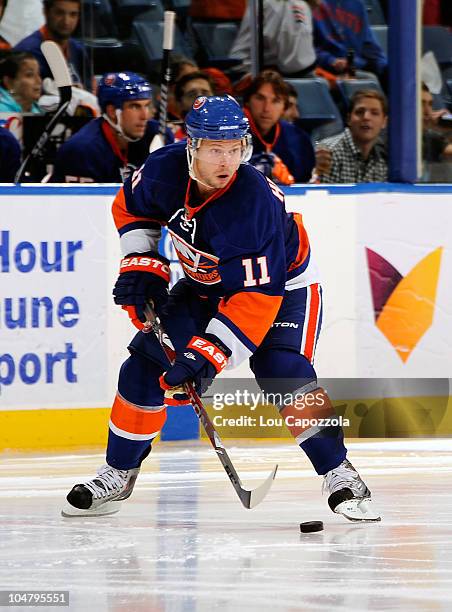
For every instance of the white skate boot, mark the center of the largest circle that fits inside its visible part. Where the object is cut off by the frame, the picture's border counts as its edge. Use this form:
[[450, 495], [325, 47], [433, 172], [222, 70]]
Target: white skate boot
[[101, 495], [349, 495]]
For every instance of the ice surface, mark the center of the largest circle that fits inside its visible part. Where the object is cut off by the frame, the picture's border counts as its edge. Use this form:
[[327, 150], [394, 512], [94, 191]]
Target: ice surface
[[183, 542]]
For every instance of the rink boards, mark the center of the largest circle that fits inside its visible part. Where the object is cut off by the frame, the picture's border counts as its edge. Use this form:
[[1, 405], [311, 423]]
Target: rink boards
[[386, 263]]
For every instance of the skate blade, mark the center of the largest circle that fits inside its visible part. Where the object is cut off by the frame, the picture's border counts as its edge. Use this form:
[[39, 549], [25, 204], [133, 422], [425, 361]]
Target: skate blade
[[358, 511], [103, 510]]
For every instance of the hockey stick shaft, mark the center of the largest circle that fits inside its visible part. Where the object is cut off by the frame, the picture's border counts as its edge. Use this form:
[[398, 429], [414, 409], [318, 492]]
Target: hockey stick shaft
[[249, 499], [60, 72], [168, 43]]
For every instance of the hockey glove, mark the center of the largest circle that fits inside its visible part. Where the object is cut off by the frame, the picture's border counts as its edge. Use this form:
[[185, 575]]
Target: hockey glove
[[202, 359], [142, 277]]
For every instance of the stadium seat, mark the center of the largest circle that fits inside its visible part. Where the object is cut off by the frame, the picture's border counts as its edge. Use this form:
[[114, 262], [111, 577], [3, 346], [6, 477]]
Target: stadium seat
[[150, 36], [318, 113], [214, 42], [348, 87], [136, 7], [381, 35], [438, 40], [374, 12], [97, 20]]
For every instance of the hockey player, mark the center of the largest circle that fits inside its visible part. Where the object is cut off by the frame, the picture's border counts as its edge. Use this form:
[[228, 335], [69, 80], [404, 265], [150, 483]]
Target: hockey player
[[108, 149], [248, 268]]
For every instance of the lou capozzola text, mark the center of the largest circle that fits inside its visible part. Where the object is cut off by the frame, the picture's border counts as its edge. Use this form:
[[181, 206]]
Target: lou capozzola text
[[253, 401]]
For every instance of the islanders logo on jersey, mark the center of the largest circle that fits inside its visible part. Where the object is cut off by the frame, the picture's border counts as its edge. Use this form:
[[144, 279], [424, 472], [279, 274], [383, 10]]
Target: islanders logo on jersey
[[200, 266], [404, 305]]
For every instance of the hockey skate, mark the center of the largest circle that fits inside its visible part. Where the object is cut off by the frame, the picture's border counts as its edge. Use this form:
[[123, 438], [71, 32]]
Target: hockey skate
[[101, 495], [349, 495]]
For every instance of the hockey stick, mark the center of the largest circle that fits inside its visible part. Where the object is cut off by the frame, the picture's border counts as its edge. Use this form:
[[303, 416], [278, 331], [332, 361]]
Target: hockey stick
[[60, 72], [159, 139], [249, 499]]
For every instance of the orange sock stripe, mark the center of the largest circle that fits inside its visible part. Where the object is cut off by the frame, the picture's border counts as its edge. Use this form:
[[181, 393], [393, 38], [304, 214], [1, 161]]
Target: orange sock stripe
[[135, 420], [306, 411]]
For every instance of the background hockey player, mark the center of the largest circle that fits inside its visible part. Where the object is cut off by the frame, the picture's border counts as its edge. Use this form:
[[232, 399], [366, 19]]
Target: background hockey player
[[109, 148], [247, 267]]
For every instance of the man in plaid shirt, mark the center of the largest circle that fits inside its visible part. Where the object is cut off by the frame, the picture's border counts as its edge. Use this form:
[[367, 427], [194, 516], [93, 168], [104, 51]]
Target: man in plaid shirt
[[358, 155]]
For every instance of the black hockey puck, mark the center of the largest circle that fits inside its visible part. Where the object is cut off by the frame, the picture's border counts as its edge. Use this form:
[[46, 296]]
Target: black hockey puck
[[311, 526]]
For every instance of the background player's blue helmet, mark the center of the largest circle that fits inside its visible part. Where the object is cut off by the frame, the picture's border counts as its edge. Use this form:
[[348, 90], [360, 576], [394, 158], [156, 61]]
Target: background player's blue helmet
[[216, 118], [119, 87]]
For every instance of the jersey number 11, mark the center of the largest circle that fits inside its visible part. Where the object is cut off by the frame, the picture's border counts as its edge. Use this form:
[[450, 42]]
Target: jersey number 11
[[250, 280]]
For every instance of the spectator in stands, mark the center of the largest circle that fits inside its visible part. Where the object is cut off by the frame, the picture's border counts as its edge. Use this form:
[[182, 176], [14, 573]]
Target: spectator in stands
[[342, 32], [180, 66], [226, 10], [357, 155], [9, 156], [435, 138], [61, 20], [20, 83], [281, 150], [288, 38], [188, 88], [108, 149], [291, 114]]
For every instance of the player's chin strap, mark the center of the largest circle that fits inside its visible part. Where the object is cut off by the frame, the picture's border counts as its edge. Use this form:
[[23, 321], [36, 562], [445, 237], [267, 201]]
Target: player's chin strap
[[194, 143], [117, 126]]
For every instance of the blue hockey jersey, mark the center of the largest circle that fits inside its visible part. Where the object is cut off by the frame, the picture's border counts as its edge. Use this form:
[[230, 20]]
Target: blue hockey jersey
[[239, 245], [9, 156], [91, 155]]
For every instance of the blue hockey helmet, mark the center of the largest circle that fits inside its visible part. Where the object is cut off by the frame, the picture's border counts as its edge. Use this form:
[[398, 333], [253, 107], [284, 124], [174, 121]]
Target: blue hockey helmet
[[216, 118], [119, 87]]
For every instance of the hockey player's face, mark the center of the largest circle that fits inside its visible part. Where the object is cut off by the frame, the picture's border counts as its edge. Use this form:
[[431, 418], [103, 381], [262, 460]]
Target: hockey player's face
[[266, 107], [134, 117], [62, 18], [366, 120], [215, 161]]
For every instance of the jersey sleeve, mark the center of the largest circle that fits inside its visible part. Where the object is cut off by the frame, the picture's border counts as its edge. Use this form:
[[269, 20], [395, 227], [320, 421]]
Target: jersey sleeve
[[252, 265], [9, 156], [138, 234], [72, 166], [140, 208]]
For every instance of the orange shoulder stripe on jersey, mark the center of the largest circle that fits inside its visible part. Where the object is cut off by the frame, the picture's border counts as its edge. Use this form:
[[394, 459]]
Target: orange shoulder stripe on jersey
[[122, 216], [135, 420], [252, 312], [303, 246], [311, 332]]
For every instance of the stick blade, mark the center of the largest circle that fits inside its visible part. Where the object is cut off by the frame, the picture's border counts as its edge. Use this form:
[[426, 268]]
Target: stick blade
[[57, 63], [250, 499]]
